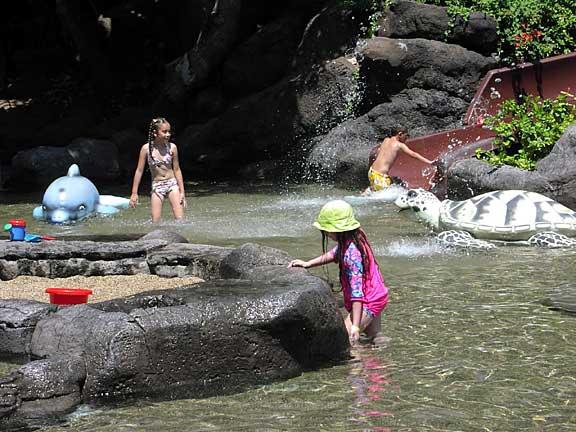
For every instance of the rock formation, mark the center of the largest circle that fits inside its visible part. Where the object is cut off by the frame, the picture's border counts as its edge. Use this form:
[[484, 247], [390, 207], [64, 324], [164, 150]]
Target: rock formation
[[253, 321]]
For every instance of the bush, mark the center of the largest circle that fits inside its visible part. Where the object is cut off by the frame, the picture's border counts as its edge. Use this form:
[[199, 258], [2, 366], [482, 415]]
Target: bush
[[527, 131], [529, 29]]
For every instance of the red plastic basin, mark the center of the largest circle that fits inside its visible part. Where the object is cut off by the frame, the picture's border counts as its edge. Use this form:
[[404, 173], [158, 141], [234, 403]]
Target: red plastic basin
[[68, 296]]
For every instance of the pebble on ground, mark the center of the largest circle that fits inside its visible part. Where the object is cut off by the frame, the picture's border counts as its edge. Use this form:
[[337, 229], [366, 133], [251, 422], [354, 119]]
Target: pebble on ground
[[103, 287]]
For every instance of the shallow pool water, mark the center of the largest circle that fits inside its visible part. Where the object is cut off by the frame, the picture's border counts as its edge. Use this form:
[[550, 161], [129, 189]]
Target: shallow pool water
[[469, 346]]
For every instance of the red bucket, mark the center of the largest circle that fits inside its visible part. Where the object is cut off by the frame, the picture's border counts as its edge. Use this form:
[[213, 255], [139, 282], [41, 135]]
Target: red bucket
[[68, 296], [21, 223]]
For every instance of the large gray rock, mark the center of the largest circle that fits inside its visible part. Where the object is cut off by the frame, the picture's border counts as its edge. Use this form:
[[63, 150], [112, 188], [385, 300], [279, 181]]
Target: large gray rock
[[477, 32], [267, 323], [314, 94], [42, 388], [18, 318], [279, 117], [324, 97], [554, 176], [331, 33], [407, 19], [342, 154], [41, 164], [264, 58], [97, 159], [469, 177], [443, 164], [389, 66], [559, 168]]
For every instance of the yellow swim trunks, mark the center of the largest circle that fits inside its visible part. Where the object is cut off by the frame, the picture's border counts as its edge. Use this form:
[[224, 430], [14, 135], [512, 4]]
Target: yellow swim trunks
[[378, 181]]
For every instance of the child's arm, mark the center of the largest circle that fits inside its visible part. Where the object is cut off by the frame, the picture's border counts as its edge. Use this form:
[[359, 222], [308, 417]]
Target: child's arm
[[178, 175], [414, 154], [138, 175], [353, 267], [356, 319], [326, 258]]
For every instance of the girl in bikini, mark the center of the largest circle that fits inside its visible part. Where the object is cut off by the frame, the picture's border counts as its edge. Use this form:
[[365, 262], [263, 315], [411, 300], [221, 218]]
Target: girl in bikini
[[162, 157]]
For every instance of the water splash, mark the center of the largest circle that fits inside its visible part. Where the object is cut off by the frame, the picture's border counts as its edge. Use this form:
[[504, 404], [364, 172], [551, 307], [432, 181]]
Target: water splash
[[387, 195], [494, 94], [413, 248], [403, 46]]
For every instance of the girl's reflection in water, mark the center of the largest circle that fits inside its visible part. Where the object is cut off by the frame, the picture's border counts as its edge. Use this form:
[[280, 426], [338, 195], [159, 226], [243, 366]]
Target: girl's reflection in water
[[369, 378]]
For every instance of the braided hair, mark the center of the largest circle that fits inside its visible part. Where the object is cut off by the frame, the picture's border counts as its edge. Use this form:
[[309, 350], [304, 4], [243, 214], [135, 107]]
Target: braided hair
[[358, 237], [152, 129]]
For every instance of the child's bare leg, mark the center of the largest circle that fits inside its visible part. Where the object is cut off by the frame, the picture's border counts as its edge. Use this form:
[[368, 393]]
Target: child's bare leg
[[365, 322], [374, 327], [155, 207], [348, 323], [177, 208]]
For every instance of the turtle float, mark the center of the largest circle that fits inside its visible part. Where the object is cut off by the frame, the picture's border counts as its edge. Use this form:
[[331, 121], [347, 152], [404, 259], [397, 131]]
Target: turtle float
[[502, 215]]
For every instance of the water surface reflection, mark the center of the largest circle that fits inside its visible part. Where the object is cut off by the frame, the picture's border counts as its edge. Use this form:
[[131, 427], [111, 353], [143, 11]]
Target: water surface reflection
[[470, 346]]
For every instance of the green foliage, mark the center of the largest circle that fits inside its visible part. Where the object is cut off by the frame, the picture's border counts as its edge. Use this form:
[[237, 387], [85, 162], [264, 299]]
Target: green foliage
[[373, 8], [527, 131], [373, 23], [528, 29]]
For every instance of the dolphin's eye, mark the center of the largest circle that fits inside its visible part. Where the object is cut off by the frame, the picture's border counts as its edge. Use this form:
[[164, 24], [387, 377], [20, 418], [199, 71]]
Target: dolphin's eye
[[81, 207], [44, 208], [411, 194]]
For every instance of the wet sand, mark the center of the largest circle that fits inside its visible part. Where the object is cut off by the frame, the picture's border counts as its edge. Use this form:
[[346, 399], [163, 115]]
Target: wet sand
[[103, 287]]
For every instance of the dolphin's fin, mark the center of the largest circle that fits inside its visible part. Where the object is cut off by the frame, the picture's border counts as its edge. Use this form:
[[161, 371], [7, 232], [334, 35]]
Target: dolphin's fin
[[106, 209], [114, 201], [38, 213], [73, 171]]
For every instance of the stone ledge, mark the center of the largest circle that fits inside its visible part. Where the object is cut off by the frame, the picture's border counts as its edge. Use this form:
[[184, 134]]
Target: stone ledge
[[55, 259]]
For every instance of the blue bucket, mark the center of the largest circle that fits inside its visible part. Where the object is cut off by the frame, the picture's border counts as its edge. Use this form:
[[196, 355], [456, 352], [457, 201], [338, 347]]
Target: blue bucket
[[17, 230]]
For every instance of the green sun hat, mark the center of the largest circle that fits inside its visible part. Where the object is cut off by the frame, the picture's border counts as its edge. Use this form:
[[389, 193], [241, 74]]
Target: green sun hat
[[336, 216]]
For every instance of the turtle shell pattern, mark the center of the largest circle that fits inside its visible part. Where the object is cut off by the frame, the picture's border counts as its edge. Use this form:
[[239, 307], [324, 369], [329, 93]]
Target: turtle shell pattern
[[508, 215]]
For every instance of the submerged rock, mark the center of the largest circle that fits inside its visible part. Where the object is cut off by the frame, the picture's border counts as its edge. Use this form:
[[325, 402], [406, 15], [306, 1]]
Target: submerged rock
[[168, 236], [562, 298]]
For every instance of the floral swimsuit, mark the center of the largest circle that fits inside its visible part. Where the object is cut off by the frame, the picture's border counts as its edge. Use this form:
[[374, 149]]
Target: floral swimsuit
[[162, 188], [372, 292]]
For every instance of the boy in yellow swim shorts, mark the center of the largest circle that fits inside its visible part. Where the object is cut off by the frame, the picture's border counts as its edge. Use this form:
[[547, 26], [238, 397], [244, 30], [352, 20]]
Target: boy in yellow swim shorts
[[386, 156], [378, 181]]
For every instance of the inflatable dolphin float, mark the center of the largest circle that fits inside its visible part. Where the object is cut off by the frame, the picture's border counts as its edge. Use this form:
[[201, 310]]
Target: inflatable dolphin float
[[73, 197]]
